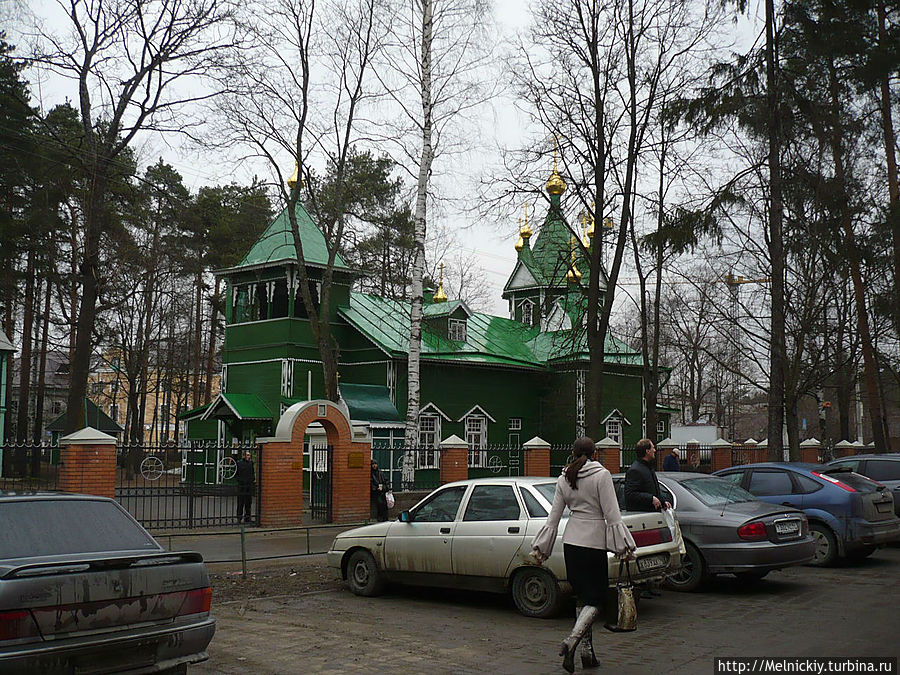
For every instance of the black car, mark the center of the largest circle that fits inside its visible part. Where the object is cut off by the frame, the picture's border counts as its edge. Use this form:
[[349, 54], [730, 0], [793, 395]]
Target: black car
[[884, 469], [84, 588]]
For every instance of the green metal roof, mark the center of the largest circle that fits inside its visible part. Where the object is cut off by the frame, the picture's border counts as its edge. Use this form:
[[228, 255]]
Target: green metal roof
[[551, 246], [276, 244], [490, 339], [370, 402], [438, 309], [94, 417], [5, 344], [193, 412], [241, 406]]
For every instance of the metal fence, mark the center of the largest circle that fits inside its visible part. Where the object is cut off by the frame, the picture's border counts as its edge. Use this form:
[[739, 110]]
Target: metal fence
[[26, 467], [172, 487]]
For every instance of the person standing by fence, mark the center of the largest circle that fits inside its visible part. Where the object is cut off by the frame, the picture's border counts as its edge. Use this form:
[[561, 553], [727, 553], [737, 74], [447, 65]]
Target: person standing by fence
[[670, 463], [246, 476], [379, 493]]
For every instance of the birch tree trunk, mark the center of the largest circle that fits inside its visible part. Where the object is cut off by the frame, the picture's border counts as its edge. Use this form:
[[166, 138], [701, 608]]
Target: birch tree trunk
[[415, 318]]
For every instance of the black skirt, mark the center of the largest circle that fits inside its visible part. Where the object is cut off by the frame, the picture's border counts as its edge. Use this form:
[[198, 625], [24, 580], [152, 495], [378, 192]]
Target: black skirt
[[587, 571]]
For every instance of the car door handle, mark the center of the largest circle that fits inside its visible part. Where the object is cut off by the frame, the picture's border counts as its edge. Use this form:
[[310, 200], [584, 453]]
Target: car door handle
[[788, 504], [512, 530], [445, 530]]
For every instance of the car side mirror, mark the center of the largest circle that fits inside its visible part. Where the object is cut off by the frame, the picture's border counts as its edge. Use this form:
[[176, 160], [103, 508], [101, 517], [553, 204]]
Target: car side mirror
[[405, 517]]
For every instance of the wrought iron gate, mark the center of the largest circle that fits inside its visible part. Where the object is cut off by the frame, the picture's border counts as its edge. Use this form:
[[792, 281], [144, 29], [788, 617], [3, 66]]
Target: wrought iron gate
[[320, 477]]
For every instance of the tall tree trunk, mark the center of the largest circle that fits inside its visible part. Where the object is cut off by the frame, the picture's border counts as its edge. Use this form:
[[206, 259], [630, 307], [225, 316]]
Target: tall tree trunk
[[890, 141], [198, 338], [777, 345], [418, 269], [211, 351], [793, 430], [25, 360], [41, 383], [870, 364]]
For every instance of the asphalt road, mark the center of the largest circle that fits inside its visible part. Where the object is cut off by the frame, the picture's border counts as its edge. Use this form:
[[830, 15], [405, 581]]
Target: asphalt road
[[804, 611]]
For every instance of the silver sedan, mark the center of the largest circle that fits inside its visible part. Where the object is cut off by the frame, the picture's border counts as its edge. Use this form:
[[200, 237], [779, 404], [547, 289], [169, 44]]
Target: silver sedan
[[477, 534], [729, 531]]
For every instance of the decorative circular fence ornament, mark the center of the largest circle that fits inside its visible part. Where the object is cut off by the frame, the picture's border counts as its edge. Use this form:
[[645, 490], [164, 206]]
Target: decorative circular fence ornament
[[495, 464], [227, 468], [152, 468]]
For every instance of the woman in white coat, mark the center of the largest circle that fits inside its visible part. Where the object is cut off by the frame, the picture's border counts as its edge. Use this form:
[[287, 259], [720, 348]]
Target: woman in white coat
[[595, 526]]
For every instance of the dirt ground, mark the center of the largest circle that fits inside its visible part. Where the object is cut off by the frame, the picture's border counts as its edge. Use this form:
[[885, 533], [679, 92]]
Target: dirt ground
[[301, 575]]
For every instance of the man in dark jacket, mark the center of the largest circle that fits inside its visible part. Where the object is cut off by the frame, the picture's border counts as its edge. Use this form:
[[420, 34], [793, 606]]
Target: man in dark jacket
[[642, 491], [670, 463], [245, 478], [379, 491]]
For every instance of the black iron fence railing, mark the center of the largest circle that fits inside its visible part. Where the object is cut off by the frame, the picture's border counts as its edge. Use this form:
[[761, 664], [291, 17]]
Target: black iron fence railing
[[26, 467]]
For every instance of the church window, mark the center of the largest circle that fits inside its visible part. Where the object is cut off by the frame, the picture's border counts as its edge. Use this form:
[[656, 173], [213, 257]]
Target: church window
[[527, 312], [614, 429], [280, 299], [458, 330], [476, 437], [515, 423], [660, 430]]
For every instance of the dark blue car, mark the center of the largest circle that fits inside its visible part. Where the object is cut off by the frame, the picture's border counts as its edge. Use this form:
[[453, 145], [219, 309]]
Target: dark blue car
[[849, 515]]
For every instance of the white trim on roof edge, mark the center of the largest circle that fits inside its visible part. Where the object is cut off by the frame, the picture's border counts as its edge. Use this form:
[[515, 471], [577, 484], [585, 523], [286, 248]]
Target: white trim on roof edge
[[481, 410], [615, 412], [430, 404]]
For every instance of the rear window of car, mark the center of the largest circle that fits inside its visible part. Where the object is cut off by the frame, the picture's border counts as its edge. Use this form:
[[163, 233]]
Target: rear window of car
[[535, 510], [883, 469], [714, 491], [67, 526], [548, 490], [856, 481]]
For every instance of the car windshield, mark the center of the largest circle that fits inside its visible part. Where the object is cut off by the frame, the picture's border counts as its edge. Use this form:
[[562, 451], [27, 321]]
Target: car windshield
[[714, 491], [42, 527]]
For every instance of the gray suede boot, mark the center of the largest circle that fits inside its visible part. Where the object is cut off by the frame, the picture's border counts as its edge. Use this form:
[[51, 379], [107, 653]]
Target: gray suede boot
[[583, 623]]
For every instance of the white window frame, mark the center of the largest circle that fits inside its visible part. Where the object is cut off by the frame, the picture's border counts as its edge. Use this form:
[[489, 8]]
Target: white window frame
[[477, 440], [614, 429], [527, 305], [457, 327], [515, 424], [427, 456], [660, 430]]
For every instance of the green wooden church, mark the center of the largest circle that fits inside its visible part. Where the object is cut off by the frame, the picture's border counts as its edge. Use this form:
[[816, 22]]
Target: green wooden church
[[494, 381]]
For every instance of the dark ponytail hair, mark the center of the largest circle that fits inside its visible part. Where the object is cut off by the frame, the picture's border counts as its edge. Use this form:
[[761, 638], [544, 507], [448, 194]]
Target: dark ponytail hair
[[582, 450]]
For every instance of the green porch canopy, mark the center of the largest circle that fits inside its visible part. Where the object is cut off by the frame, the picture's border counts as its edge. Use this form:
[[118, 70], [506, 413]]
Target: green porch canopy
[[93, 417], [370, 402], [240, 406]]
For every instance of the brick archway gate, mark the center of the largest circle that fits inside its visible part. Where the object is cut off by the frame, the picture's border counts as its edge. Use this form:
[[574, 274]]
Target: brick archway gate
[[281, 466]]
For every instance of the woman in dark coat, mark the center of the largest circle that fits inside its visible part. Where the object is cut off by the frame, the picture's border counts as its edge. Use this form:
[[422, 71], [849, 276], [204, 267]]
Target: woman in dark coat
[[379, 490]]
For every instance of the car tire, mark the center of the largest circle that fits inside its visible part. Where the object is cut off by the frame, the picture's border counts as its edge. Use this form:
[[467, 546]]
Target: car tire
[[751, 576], [363, 574], [826, 550], [536, 593], [692, 572]]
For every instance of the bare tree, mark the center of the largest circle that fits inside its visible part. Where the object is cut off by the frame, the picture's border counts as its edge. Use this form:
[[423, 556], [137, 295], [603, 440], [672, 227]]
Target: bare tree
[[134, 63]]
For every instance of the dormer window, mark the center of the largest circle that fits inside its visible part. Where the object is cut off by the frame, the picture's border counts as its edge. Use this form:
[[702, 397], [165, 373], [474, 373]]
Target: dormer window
[[457, 330], [527, 312]]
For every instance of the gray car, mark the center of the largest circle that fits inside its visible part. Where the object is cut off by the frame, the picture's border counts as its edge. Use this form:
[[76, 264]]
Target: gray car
[[85, 589], [729, 531], [883, 469]]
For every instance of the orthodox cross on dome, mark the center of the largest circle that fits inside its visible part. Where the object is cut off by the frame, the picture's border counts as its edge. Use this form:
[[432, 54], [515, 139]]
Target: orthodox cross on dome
[[440, 295]]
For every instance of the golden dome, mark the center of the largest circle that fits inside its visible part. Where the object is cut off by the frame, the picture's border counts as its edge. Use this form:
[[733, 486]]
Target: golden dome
[[292, 181], [555, 184], [525, 230], [520, 244], [440, 296]]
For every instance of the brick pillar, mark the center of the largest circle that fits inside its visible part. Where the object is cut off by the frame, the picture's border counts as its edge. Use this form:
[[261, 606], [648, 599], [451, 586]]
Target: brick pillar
[[350, 499], [810, 451], [610, 454], [720, 455], [843, 449], [537, 457], [454, 459], [281, 476], [88, 463]]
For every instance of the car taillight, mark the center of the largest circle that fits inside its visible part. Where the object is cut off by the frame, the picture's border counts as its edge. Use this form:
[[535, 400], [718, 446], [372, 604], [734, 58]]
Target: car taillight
[[196, 601], [833, 481], [752, 531], [18, 625], [651, 537]]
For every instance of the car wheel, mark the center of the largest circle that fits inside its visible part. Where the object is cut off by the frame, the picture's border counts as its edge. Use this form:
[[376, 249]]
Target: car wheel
[[363, 574], [826, 547], [536, 593], [751, 576], [861, 553], [692, 571]]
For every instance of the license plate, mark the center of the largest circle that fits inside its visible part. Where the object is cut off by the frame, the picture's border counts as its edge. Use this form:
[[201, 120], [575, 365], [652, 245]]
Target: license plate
[[652, 562], [787, 527]]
